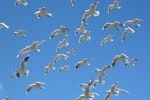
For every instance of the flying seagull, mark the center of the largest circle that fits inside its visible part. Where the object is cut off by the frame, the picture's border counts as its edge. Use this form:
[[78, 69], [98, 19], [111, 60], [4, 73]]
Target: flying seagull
[[61, 44], [22, 70], [131, 62], [99, 80], [90, 11], [32, 47], [2, 25], [82, 62], [34, 85], [81, 29], [134, 22], [102, 70], [19, 33], [71, 51], [114, 25], [64, 68], [109, 38], [23, 2], [49, 67], [42, 12], [114, 5], [61, 31], [126, 32], [60, 56], [85, 36]]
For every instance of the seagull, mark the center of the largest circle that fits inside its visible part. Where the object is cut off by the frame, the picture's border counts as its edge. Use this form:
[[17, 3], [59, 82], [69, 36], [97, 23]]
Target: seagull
[[34, 85], [90, 11], [109, 38], [60, 56], [121, 57], [81, 28], [2, 25], [32, 47], [131, 62], [73, 2], [61, 31], [102, 70], [22, 70], [62, 43], [63, 69], [134, 22], [71, 51], [126, 32], [86, 91], [114, 25], [82, 62], [23, 2], [85, 36], [112, 6], [42, 12], [19, 33], [121, 91], [6, 98], [99, 80], [49, 67]]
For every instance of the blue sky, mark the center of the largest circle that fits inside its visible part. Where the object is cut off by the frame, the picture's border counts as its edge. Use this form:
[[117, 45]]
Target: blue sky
[[65, 86]]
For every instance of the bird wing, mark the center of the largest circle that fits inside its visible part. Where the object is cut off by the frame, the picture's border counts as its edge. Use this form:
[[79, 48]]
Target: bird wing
[[86, 15], [23, 63], [23, 51], [124, 35], [106, 25], [37, 43], [54, 33]]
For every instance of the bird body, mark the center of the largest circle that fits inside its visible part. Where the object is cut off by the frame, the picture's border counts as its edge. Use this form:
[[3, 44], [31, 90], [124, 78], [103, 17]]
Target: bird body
[[60, 56], [32, 47], [90, 11], [112, 6], [49, 67], [131, 62], [64, 68], [109, 38], [22, 70], [61, 44], [34, 85], [23, 2], [126, 32], [83, 62], [85, 36], [19, 33], [42, 12], [81, 29]]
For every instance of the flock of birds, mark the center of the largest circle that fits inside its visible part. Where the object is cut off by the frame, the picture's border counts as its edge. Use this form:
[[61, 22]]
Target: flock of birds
[[86, 87]]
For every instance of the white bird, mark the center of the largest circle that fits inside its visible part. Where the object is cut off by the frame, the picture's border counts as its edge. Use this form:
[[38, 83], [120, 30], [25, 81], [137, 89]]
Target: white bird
[[61, 31], [99, 80], [32, 47], [71, 51], [61, 44], [85, 36], [19, 33], [134, 22], [42, 12], [73, 2], [22, 70], [109, 38], [6, 98], [2, 25], [60, 56], [102, 70], [82, 62], [131, 62], [81, 29], [64, 68], [86, 91], [126, 32], [90, 11], [23, 2], [112, 6], [114, 25], [121, 57], [49, 67], [34, 85]]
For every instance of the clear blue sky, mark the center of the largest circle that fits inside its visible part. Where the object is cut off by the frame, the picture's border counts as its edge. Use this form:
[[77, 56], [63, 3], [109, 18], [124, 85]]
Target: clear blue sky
[[65, 86]]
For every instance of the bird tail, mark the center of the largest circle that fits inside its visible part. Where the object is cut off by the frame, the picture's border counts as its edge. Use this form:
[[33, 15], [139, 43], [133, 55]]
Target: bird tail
[[97, 13]]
